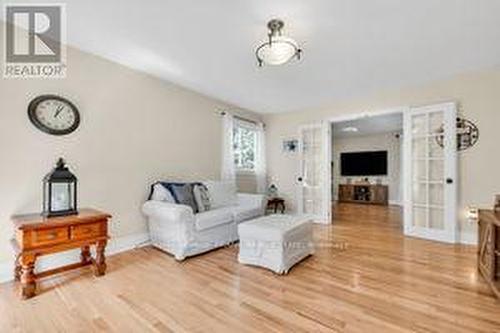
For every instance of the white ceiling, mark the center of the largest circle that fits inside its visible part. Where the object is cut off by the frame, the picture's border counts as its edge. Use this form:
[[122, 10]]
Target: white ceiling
[[369, 125], [351, 47]]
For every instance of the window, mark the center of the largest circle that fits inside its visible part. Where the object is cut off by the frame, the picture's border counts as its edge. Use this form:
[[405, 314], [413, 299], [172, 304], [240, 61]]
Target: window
[[245, 146]]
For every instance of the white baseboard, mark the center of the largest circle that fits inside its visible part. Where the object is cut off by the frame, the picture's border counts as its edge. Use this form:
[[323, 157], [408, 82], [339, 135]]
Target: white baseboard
[[6, 271], [468, 238], [115, 245], [126, 243], [395, 203]]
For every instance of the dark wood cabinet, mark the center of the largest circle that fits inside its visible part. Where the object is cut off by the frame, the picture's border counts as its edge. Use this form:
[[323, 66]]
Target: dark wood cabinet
[[488, 260], [364, 193]]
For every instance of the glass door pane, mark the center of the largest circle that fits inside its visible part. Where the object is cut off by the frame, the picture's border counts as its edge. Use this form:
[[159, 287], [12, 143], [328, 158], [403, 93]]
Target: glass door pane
[[311, 164], [430, 141], [314, 180], [428, 171]]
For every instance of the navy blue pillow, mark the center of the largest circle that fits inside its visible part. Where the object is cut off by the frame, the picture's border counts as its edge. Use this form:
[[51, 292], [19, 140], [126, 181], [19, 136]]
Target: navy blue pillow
[[181, 192]]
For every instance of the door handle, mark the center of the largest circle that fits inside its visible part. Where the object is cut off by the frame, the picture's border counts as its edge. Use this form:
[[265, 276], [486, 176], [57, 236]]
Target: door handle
[[449, 181]]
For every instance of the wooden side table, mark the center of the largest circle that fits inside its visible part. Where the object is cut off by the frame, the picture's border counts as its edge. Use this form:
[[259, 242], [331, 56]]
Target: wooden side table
[[488, 259], [36, 236], [275, 204]]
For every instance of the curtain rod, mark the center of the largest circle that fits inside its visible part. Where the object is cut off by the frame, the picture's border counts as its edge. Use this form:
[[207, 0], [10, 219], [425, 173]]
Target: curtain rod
[[223, 113]]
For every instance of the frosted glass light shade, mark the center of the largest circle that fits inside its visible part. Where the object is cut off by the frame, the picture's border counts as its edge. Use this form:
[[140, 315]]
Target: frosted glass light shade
[[279, 51]]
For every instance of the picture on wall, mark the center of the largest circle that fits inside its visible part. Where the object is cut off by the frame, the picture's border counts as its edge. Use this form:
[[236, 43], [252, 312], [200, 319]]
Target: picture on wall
[[290, 146]]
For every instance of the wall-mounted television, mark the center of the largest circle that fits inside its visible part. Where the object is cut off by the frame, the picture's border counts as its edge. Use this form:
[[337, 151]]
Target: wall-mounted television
[[366, 163]]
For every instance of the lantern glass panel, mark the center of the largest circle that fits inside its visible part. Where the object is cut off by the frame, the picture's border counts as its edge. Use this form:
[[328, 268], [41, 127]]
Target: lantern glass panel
[[46, 193], [61, 197], [72, 193]]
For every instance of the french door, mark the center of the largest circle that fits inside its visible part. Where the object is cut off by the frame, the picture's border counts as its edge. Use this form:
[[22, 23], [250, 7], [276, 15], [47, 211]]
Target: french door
[[313, 182], [430, 172]]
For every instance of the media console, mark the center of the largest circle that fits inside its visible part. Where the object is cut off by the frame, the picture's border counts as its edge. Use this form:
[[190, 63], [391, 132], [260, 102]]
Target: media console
[[364, 193]]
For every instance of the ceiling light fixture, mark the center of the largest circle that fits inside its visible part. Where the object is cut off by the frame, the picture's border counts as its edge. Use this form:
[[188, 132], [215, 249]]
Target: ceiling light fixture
[[279, 49], [350, 129]]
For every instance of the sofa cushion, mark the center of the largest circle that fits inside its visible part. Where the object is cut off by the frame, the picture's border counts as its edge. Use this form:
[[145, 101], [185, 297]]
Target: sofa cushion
[[245, 213], [213, 218], [222, 193], [183, 194], [202, 197], [161, 193]]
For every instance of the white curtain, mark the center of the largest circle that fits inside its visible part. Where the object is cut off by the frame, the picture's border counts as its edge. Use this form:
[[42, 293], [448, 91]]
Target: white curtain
[[228, 170], [260, 165]]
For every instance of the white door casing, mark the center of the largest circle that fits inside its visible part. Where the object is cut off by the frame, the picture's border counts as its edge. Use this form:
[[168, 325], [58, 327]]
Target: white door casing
[[314, 180], [430, 172]]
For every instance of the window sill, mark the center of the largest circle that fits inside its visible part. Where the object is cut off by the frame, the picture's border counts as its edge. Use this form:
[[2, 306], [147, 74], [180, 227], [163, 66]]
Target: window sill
[[245, 172]]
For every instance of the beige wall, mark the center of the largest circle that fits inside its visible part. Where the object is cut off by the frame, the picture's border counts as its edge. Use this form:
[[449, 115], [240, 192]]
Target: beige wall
[[246, 182], [135, 129], [478, 95], [383, 141]]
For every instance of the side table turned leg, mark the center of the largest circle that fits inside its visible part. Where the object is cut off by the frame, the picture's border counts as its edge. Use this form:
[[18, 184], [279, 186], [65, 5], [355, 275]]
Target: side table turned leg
[[85, 256], [100, 260], [28, 280], [17, 268]]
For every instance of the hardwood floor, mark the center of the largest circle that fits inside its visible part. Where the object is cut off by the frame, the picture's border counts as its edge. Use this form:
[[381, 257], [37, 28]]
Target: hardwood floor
[[365, 277]]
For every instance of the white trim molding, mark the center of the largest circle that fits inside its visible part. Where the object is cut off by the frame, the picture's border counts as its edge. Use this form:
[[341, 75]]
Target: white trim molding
[[115, 245], [468, 238]]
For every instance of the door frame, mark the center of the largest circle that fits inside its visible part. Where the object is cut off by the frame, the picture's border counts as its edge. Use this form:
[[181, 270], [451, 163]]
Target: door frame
[[370, 114], [404, 170]]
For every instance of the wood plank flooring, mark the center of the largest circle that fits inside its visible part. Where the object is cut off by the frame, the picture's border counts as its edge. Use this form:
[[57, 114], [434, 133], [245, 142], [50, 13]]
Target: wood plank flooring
[[365, 277]]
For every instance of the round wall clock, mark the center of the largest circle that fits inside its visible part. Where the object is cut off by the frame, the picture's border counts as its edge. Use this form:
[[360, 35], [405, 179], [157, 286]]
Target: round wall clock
[[54, 115]]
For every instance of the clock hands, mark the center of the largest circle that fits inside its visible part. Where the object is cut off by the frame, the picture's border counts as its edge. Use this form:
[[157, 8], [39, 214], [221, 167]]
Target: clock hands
[[58, 110]]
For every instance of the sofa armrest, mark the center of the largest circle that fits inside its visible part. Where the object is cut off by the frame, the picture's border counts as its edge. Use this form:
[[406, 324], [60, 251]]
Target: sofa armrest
[[253, 200], [171, 226], [168, 212]]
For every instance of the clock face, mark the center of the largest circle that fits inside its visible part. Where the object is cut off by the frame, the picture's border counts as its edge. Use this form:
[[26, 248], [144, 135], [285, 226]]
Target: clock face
[[54, 115]]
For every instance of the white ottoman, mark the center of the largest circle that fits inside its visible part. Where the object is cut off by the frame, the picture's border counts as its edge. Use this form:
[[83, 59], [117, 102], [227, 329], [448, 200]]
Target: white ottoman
[[276, 242]]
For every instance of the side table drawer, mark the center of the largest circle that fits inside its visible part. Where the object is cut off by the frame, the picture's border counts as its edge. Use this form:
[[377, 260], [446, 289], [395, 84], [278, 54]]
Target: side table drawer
[[48, 236], [87, 231]]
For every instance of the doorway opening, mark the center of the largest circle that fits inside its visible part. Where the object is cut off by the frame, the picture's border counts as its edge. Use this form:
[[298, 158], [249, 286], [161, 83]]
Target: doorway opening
[[367, 160], [410, 161]]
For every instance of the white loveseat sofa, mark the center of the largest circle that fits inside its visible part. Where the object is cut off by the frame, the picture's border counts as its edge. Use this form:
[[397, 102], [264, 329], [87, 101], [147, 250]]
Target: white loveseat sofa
[[176, 229]]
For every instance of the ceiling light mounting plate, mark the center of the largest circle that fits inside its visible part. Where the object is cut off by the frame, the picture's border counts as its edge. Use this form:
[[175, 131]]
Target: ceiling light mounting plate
[[275, 26]]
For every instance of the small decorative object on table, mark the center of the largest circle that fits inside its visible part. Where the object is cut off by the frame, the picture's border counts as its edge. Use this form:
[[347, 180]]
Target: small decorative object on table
[[59, 191], [272, 191], [37, 235]]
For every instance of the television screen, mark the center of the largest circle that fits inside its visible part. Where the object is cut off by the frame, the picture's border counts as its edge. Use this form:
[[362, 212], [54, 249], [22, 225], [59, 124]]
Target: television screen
[[368, 163]]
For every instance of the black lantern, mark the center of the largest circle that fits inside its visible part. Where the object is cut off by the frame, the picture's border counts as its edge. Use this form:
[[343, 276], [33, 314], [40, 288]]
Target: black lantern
[[59, 192]]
